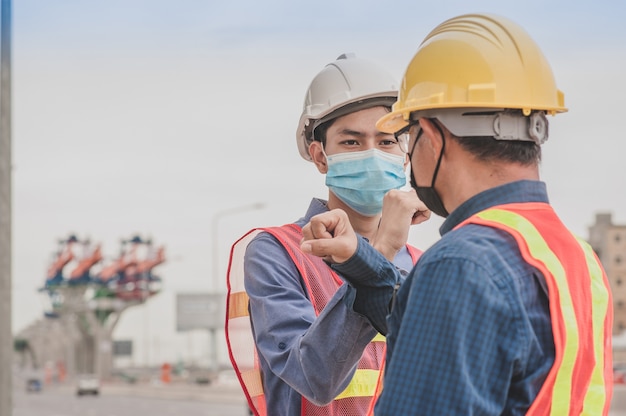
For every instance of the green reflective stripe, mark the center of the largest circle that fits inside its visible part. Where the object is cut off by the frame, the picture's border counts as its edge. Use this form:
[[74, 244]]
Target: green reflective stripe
[[363, 384], [539, 250], [595, 398]]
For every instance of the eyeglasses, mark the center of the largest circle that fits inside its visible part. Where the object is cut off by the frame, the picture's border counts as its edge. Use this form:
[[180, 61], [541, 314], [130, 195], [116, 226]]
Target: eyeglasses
[[403, 136]]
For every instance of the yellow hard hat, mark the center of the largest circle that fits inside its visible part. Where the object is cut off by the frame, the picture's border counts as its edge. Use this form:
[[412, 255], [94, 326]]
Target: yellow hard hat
[[475, 61]]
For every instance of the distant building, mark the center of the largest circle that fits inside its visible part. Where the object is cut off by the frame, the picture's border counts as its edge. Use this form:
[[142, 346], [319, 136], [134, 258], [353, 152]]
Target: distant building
[[609, 242]]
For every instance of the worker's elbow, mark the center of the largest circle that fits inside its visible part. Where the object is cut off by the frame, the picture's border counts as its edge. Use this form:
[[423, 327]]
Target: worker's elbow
[[325, 395], [322, 399]]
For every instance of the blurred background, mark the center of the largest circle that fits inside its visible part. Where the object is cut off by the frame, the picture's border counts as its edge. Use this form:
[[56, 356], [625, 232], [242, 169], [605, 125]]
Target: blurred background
[[174, 122]]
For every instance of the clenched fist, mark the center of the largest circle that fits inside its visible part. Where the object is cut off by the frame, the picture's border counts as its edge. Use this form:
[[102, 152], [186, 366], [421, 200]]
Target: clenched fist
[[331, 236]]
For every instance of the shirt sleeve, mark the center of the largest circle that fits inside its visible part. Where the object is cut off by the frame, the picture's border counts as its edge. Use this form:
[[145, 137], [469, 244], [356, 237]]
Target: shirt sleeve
[[457, 337], [375, 279], [315, 355]]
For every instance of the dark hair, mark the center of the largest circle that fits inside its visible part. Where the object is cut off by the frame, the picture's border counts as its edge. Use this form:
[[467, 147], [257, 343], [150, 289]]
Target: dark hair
[[319, 134], [488, 149]]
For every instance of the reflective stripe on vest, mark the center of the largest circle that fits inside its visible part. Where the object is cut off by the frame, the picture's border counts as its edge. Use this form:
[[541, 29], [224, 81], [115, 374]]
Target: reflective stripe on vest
[[363, 384], [580, 380], [366, 382]]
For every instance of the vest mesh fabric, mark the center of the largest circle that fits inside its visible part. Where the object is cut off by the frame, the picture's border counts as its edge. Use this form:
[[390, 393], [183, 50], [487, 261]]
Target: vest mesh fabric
[[320, 283]]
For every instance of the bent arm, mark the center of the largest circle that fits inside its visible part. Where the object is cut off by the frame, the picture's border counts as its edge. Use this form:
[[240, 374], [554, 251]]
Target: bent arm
[[375, 279], [314, 355]]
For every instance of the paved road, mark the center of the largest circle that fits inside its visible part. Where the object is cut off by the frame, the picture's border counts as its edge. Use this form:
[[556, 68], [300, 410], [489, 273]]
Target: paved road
[[120, 399], [51, 403], [177, 399]]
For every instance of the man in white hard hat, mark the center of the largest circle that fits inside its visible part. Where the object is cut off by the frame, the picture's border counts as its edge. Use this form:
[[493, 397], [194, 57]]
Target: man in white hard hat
[[508, 313], [314, 353]]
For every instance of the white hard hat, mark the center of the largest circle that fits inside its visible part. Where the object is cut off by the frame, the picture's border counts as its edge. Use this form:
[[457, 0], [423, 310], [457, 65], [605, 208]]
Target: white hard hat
[[344, 86]]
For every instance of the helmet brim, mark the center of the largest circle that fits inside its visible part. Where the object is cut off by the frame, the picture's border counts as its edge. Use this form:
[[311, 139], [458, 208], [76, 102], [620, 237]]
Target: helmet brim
[[392, 122]]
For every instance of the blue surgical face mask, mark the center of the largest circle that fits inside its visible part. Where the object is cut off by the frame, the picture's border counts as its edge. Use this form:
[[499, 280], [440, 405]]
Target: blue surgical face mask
[[361, 179]]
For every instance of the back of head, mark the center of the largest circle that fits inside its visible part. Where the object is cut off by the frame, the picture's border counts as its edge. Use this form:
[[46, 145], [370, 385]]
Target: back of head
[[481, 76], [344, 86]]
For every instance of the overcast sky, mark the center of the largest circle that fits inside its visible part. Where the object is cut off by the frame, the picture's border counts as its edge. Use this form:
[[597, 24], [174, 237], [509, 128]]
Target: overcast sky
[[160, 117]]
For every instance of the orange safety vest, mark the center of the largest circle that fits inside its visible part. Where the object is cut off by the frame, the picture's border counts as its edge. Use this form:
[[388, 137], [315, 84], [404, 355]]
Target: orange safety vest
[[580, 381], [321, 283]]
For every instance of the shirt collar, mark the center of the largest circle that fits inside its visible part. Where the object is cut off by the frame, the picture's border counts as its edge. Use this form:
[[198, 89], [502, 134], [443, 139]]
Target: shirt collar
[[519, 191], [317, 206]]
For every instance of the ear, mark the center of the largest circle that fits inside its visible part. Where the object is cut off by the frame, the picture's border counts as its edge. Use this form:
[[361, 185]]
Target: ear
[[431, 135], [316, 151]]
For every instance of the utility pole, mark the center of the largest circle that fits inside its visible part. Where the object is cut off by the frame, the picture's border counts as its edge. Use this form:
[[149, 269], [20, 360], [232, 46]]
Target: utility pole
[[6, 335]]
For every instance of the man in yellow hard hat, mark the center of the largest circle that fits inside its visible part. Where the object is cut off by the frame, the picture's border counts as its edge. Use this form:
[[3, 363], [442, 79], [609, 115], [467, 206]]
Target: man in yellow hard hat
[[297, 339], [509, 313]]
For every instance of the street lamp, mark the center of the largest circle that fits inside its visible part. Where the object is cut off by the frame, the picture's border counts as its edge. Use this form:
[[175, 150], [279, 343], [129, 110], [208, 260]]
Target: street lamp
[[216, 217]]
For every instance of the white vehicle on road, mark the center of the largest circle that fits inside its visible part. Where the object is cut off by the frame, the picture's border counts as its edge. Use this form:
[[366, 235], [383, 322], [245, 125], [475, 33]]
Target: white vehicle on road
[[88, 384]]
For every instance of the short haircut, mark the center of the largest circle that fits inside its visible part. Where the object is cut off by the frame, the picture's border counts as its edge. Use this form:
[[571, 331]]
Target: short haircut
[[319, 133], [489, 149]]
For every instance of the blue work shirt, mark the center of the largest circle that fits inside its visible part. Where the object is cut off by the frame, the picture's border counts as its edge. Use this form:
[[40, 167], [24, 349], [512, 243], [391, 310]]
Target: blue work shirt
[[470, 333], [302, 354]]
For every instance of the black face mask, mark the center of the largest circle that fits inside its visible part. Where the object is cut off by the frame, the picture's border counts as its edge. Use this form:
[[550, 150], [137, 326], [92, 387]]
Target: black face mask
[[427, 194]]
